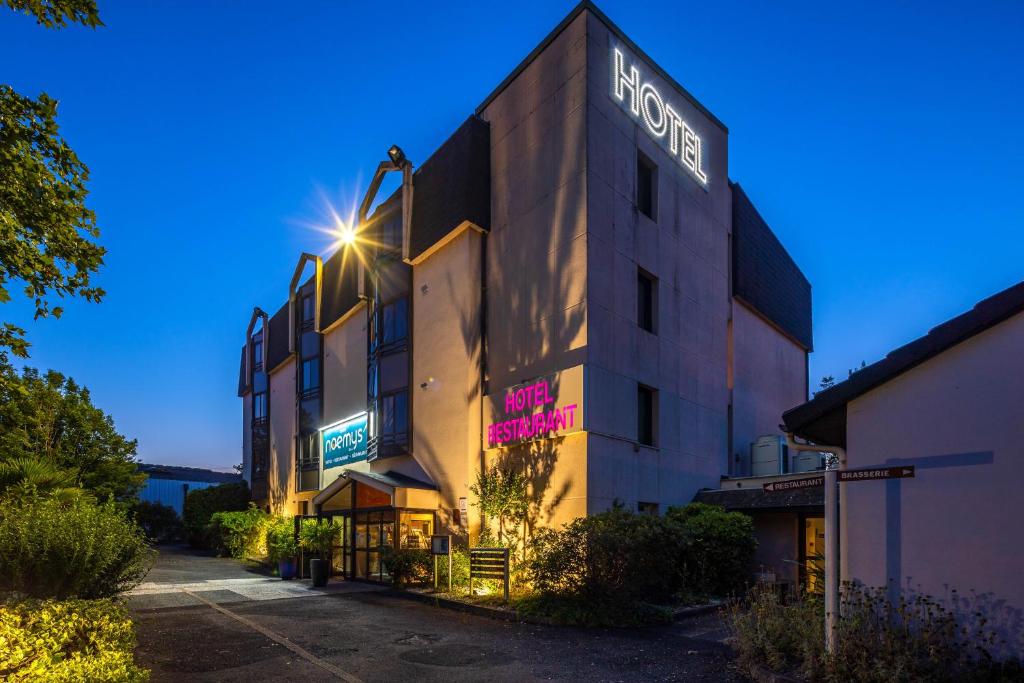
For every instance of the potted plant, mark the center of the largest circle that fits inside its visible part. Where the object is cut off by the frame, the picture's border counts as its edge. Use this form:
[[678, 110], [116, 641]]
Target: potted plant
[[282, 548], [317, 537]]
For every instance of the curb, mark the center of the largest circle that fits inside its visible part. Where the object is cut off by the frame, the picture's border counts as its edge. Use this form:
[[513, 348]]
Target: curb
[[456, 605], [510, 615], [684, 613]]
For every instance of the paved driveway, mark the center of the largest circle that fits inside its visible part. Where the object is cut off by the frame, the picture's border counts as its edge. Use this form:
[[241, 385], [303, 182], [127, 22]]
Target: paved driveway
[[209, 619]]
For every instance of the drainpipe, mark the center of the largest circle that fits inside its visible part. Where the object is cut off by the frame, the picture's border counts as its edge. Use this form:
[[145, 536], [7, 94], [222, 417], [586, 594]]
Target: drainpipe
[[831, 533]]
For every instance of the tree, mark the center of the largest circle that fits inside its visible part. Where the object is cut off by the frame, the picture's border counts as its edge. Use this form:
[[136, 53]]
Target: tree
[[58, 13], [51, 419], [45, 227], [502, 494]]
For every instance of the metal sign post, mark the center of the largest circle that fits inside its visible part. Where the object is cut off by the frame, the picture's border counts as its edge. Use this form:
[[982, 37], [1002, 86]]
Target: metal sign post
[[442, 545], [831, 479]]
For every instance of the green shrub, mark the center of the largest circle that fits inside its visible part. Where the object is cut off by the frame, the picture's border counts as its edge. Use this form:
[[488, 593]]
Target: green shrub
[[239, 534], [50, 548], [281, 543], [775, 634], [720, 548], [613, 557], [407, 565], [68, 641], [200, 505], [160, 522], [877, 640], [318, 538], [460, 571]]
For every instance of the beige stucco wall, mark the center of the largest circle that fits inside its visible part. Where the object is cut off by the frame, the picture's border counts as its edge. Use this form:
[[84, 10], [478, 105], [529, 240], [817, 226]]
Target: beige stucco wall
[[687, 250], [344, 391], [281, 477], [959, 418], [444, 387], [769, 378], [556, 473]]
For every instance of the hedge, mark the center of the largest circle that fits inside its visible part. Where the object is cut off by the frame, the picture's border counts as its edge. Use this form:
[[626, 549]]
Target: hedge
[[240, 534], [201, 504], [67, 641]]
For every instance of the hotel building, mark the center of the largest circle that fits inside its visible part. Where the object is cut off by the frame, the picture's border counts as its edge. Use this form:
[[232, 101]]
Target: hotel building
[[571, 285]]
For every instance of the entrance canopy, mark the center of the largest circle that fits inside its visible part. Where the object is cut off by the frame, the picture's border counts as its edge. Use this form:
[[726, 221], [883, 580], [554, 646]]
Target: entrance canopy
[[374, 489]]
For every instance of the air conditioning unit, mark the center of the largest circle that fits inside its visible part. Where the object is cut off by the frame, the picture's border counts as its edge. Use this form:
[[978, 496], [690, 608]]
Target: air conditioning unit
[[808, 461], [768, 456]]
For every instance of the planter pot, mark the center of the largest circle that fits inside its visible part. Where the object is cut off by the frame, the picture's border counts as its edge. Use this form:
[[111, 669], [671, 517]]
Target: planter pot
[[286, 568], [318, 570]]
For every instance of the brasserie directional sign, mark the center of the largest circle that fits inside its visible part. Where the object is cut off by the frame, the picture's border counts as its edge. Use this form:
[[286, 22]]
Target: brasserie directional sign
[[790, 484], [869, 473]]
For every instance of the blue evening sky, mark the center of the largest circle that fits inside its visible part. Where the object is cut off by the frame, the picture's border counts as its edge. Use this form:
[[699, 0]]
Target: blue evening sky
[[882, 141]]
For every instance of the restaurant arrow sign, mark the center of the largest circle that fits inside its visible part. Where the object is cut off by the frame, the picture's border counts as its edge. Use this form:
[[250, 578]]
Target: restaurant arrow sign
[[790, 484], [869, 473]]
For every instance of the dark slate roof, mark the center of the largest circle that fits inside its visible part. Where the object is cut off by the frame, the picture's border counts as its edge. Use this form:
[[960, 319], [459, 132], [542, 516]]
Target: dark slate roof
[[340, 287], [622, 37], [452, 186], [277, 349], [759, 499], [243, 385], [188, 474], [823, 418], [764, 275]]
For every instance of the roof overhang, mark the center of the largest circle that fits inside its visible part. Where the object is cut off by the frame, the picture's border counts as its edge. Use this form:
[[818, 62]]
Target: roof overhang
[[404, 491]]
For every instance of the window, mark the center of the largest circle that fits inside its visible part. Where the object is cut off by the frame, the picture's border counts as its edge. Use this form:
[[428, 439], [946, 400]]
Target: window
[[415, 529], [394, 417], [647, 508], [308, 308], [257, 354], [395, 323], [646, 409], [259, 406], [310, 375], [646, 186], [646, 300]]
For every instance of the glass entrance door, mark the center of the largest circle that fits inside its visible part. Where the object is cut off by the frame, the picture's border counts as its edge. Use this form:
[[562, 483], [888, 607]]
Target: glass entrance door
[[374, 531], [341, 552]]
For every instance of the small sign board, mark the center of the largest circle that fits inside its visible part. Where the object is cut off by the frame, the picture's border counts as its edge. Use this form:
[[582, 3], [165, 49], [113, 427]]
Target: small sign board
[[870, 473], [790, 484], [440, 545]]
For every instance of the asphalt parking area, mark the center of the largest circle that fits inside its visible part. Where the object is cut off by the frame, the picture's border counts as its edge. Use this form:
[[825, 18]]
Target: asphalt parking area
[[211, 631]]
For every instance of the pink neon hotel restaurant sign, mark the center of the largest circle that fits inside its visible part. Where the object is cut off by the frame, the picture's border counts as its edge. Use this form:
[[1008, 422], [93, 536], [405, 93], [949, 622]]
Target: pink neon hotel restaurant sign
[[537, 420]]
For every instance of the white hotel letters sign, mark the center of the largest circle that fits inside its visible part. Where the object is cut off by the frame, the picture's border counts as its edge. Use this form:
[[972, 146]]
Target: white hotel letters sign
[[660, 118]]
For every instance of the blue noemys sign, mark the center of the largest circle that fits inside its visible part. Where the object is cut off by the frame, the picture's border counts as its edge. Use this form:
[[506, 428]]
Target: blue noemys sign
[[344, 442]]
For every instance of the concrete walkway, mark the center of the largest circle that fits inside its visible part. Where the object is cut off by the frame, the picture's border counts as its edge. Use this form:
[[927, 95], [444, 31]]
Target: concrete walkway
[[184, 577]]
